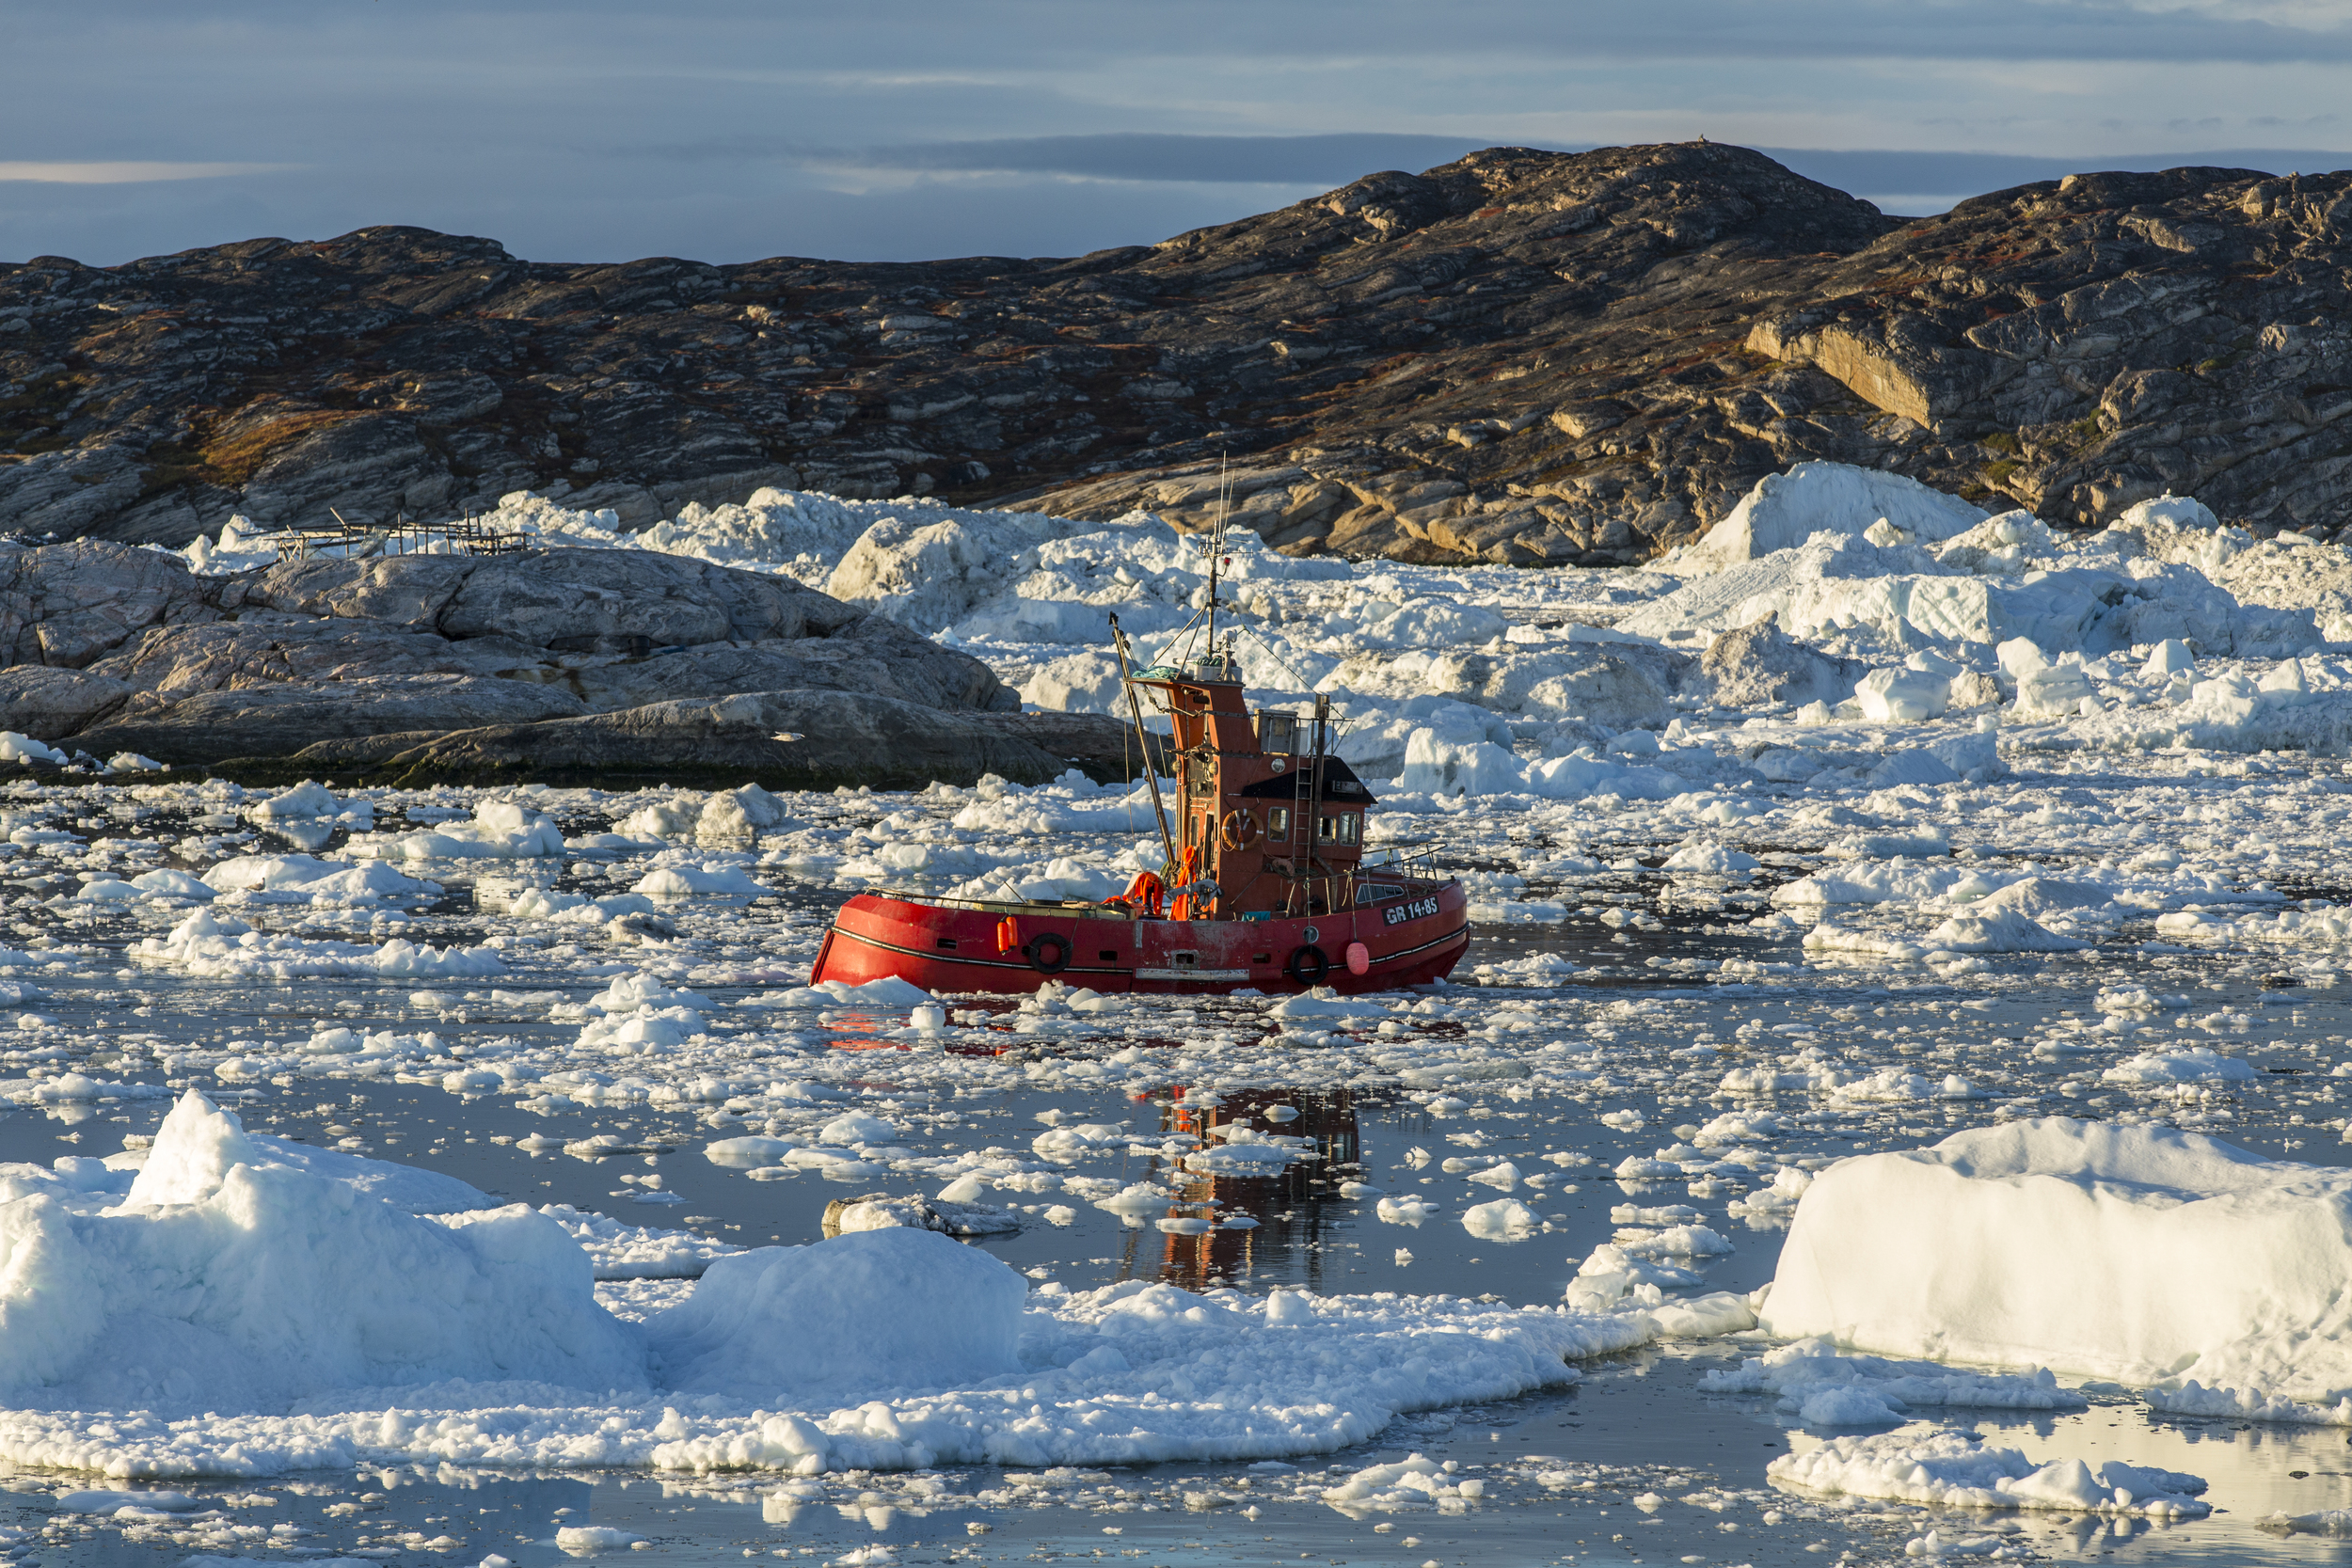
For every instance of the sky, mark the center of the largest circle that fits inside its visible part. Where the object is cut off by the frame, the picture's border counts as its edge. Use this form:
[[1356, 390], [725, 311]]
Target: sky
[[901, 129]]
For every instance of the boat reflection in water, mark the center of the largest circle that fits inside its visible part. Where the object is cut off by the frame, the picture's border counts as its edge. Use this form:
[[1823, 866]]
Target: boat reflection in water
[[1206, 1239]]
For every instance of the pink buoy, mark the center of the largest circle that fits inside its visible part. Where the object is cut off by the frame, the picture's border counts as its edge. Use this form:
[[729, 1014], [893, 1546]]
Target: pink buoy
[[1359, 958]]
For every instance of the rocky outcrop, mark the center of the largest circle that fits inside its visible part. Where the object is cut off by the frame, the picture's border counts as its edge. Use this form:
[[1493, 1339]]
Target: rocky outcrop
[[575, 661], [1520, 357], [786, 740]]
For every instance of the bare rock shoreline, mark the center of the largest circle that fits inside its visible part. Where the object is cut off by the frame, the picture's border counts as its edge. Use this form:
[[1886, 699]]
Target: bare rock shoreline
[[559, 665]]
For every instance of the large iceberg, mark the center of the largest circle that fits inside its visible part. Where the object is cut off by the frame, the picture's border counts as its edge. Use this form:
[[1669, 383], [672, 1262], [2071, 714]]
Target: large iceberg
[[2143, 1255], [227, 1279]]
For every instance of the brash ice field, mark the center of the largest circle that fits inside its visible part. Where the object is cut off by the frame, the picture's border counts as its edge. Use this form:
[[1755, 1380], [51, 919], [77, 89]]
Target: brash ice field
[[1889, 1109]]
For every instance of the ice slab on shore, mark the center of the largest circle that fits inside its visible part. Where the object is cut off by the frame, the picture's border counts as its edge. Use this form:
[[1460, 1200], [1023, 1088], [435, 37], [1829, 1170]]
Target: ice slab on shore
[[2211, 1262]]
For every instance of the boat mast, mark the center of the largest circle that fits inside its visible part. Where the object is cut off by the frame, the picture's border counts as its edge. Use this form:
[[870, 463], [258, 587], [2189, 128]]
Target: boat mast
[[1150, 767], [1217, 543], [1315, 807]]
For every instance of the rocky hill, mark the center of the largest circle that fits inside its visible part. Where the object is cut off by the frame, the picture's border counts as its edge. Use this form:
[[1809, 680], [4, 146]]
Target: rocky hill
[[1520, 356]]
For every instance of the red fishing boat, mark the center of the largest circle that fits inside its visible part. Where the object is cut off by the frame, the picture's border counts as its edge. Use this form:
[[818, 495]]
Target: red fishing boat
[[1267, 883]]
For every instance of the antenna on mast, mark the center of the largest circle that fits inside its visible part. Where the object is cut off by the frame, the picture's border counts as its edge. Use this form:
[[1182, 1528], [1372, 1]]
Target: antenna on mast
[[1216, 538]]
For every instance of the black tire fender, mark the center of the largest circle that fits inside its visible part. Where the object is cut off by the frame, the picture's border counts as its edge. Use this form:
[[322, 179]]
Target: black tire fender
[[1048, 951], [1308, 965]]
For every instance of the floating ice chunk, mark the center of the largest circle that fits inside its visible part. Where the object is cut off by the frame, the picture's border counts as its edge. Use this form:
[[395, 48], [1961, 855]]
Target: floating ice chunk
[[2003, 930], [2170, 657], [2002, 544], [662, 819], [740, 811], [308, 798], [1675, 1241], [626, 993], [2193, 1065], [1633, 743], [1139, 1197], [684, 881], [300, 877], [2247, 1404], [588, 1540], [1711, 859], [1577, 778], [1412, 1482], [749, 1152], [856, 1128], [1957, 1470], [1609, 1275], [1323, 1003], [1776, 1203], [1069, 1143], [24, 748], [1896, 881], [1901, 696], [890, 991], [1975, 1249], [1408, 1210], [1082, 682], [1782, 511], [168, 883], [500, 829], [645, 1030], [1744, 1127], [2057, 689], [1504, 1219], [1848, 1406]]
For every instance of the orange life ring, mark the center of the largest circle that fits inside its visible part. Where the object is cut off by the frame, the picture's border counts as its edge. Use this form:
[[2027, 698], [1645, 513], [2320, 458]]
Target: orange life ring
[[1239, 829]]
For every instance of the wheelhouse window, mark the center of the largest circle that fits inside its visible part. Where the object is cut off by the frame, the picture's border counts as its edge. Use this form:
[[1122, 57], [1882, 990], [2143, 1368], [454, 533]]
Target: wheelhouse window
[[1277, 824], [1278, 733], [1340, 828]]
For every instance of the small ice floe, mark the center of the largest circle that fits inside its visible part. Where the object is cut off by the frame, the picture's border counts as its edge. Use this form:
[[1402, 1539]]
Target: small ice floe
[[1959, 1469]]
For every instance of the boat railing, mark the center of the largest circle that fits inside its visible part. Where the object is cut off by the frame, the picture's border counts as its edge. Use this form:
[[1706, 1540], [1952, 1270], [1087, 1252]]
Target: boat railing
[[1419, 860]]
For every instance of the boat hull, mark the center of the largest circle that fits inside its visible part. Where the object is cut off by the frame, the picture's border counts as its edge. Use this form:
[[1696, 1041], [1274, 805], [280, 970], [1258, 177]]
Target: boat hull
[[942, 948]]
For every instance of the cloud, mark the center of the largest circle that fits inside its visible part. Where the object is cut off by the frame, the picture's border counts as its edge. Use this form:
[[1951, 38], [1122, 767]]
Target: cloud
[[1326, 160], [131, 173]]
